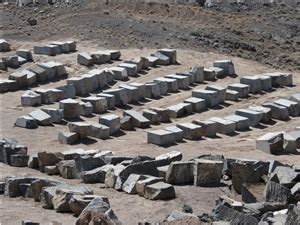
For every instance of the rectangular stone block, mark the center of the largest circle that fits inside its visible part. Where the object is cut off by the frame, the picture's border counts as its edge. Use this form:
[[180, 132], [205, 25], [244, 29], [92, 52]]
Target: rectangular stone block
[[112, 121], [191, 76], [271, 143], [220, 90], [198, 104], [267, 113], [71, 108], [120, 73], [210, 127], [85, 59], [67, 137], [138, 119], [178, 133], [54, 69], [99, 103], [209, 74], [141, 87], [219, 72], [152, 90], [163, 114], [278, 112], [133, 93], [163, 86], [171, 53], [254, 83], [111, 100], [232, 95], [180, 110], [254, 117], [211, 97], [241, 122], [182, 81], [199, 73], [161, 137], [82, 85], [242, 89], [41, 74], [99, 131], [191, 131], [50, 50], [171, 83], [293, 107], [131, 68], [81, 128], [180, 173], [41, 117], [152, 116], [226, 65], [208, 173], [266, 82], [121, 96], [224, 126]]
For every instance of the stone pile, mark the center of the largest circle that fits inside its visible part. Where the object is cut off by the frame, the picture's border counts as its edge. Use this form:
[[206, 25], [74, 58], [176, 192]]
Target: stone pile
[[38, 73], [63, 198], [56, 48]]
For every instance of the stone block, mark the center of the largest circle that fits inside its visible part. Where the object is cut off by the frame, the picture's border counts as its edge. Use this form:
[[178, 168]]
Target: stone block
[[126, 123], [41, 74], [210, 127], [171, 83], [207, 173], [81, 128], [209, 74], [178, 133], [98, 76], [191, 131], [19, 160], [111, 100], [241, 122], [211, 97], [254, 83], [136, 61], [49, 96], [226, 65], [99, 131], [171, 53], [266, 82], [198, 104], [180, 110], [100, 57], [191, 76], [84, 59], [199, 73], [71, 108], [219, 72], [63, 46], [296, 135], [67, 169], [163, 86], [82, 85], [129, 185], [31, 98], [293, 107], [138, 119], [2, 65], [275, 192], [180, 173], [254, 117], [56, 114], [161, 59], [152, 90], [220, 90], [290, 144], [267, 113], [121, 96], [224, 126], [142, 89], [72, 46], [47, 159], [242, 89], [132, 92], [182, 81], [295, 97], [232, 95], [152, 61], [4, 46], [96, 175], [159, 191], [26, 54], [152, 116], [31, 77], [114, 54], [26, 122], [141, 184], [99, 103], [162, 113], [50, 50], [120, 73], [54, 69], [93, 81], [131, 68], [67, 137], [112, 121], [20, 78], [86, 108], [161, 137], [41, 117], [278, 112]]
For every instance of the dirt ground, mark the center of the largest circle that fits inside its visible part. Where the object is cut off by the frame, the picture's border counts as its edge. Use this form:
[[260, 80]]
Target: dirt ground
[[138, 31]]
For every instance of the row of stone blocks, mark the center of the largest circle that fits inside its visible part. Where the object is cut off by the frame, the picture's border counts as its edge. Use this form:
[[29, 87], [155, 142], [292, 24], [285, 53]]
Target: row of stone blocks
[[55, 48], [241, 120], [278, 143], [14, 61], [35, 74]]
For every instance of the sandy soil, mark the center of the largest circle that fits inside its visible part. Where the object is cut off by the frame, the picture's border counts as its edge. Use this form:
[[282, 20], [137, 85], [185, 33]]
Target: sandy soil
[[138, 30]]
